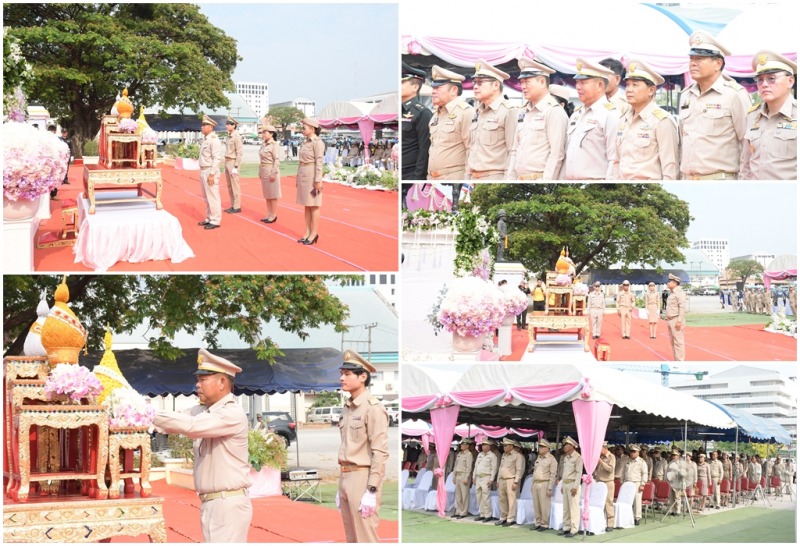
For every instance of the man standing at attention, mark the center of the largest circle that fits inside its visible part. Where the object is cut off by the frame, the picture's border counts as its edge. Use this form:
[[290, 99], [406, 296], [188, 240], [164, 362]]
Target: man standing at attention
[[210, 158], [597, 308], [218, 426], [483, 476], [636, 472], [449, 127], [463, 475], [625, 304], [509, 481], [570, 487], [233, 159], [416, 136], [545, 471], [365, 448], [676, 316]]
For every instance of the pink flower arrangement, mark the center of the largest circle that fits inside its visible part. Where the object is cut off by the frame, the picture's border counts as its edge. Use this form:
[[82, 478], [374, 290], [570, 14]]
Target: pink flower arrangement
[[129, 409], [127, 125], [580, 289], [471, 307], [149, 136], [562, 279], [34, 161], [76, 381], [514, 300]]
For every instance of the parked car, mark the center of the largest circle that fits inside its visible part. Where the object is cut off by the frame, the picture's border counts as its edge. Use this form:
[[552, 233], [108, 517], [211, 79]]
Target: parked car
[[282, 424], [325, 414], [393, 409]]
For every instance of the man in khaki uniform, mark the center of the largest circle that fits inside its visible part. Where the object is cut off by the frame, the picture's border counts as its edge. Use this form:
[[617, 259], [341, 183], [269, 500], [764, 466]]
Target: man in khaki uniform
[[717, 472], [218, 426], [704, 477], [636, 472], [538, 150], [494, 126], [647, 145], [484, 475], [210, 158], [593, 127], [712, 114], [622, 460], [677, 472], [676, 316], [604, 472], [233, 159], [614, 93], [626, 301], [659, 465], [770, 146], [793, 300], [462, 479], [545, 471], [597, 308], [509, 481], [449, 127], [364, 427], [571, 487]]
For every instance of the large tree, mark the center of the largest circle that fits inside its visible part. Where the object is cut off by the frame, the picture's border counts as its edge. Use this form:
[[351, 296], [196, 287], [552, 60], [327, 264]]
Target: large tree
[[744, 269], [167, 304], [284, 116], [83, 55], [602, 224]]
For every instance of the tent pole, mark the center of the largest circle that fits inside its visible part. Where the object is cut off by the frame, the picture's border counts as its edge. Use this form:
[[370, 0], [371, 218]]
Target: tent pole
[[738, 478], [685, 436]]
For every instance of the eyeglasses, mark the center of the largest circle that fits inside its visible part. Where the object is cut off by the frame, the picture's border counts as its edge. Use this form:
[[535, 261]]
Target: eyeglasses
[[771, 79], [480, 82]]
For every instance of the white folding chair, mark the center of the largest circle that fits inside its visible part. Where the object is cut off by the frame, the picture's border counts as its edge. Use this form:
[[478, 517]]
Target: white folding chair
[[494, 500], [525, 503], [403, 479], [623, 508], [450, 488], [557, 509], [421, 492], [410, 489], [597, 512], [474, 509]]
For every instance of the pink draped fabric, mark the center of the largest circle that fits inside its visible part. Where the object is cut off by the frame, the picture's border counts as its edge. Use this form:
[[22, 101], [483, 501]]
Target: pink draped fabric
[[415, 404], [427, 197], [444, 424], [478, 399], [545, 395], [591, 420], [769, 276]]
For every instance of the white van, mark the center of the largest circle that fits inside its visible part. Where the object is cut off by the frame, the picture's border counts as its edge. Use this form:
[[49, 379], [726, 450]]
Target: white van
[[393, 409], [327, 414]]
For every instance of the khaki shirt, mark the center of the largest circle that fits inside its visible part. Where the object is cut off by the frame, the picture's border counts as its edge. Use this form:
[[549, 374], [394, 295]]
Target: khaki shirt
[[450, 132], [485, 466], [463, 463], [704, 473], [647, 145], [604, 472], [234, 148], [620, 102], [652, 299], [619, 469], [597, 300], [636, 471], [364, 427], [592, 142], [626, 300], [676, 305], [727, 469], [572, 469], [494, 128], [546, 468], [712, 127], [539, 145], [770, 146], [659, 468], [512, 466], [716, 469], [269, 157], [221, 459], [210, 153]]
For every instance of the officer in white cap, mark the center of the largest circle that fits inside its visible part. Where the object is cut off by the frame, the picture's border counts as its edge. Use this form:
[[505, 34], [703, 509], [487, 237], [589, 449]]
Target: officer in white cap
[[483, 476], [770, 147], [234, 148], [592, 129], [364, 450], [493, 127], [221, 461], [449, 127], [597, 308], [712, 114], [545, 471], [539, 145], [648, 142], [210, 159], [571, 487], [676, 316], [626, 301], [637, 473], [462, 477], [509, 481]]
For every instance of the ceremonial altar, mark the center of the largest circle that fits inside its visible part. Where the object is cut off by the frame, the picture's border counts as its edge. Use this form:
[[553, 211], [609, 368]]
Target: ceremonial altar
[[561, 323]]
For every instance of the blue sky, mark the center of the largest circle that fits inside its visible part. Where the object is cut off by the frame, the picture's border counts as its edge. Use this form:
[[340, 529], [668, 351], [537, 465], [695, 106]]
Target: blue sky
[[324, 52]]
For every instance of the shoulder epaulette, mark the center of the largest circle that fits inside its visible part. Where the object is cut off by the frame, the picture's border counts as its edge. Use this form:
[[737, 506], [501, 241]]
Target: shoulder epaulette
[[418, 106], [463, 105], [754, 107], [660, 113], [373, 401], [610, 106], [507, 104], [733, 84]]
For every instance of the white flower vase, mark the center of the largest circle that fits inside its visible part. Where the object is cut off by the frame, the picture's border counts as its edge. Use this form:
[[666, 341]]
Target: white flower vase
[[504, 335], [21, 209], [467, 344]]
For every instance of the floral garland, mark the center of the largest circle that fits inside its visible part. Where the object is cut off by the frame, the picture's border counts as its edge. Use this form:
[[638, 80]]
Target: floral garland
[[475, 236], [129, 409], [427, 220], [127, 125], [76, 381], [34, 162], [471, 307], [433, 317]]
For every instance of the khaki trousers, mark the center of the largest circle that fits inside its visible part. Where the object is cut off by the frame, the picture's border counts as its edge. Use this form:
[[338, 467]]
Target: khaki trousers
[[462, 494], [572, 512], [211, 195], [676, 339], [541, 503], [352, 486], [609, 504], [715, 483], [226, 519], [625, 319], [597, 321], [482, 488], [678, 500], [233, 184], [508, 499], [637, 504]]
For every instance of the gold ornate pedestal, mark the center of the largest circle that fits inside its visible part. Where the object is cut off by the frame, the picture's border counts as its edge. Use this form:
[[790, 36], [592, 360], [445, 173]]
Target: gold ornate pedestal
[[98, 177], [557, 322], [75, 519], [128, 440], [560, 291]]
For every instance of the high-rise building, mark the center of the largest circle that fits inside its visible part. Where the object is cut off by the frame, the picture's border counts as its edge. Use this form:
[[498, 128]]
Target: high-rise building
[[307, 106], [256, 95], [761, 256], [717, 251]]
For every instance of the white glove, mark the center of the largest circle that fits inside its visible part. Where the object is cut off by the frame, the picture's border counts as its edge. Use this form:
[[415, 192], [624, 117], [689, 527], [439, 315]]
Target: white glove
[[337, 499], [368, 503], [234, 171]]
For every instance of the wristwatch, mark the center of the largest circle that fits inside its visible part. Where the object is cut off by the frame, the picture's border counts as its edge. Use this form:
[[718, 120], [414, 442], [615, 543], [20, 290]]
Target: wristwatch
[[372, 489]]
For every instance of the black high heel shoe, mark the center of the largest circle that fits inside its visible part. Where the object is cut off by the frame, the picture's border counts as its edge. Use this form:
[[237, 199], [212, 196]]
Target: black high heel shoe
[[303, 240], [311, 241], [268, 221]]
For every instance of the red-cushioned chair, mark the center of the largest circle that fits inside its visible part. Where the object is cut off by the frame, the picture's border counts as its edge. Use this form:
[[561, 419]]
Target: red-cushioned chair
[[617, 485], [662, 493], [725, 491], [648, 494], [740, 494], [775, 483], [407, 465]]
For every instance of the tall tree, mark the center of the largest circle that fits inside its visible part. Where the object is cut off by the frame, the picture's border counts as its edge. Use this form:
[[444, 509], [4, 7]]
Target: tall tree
[[83, 55], [168, 304], [284, 116], [744, 269], [603, 224]]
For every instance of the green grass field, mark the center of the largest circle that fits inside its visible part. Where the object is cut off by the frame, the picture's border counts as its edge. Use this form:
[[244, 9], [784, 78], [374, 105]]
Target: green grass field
[[388, 508], [725, 319], [250, 170]]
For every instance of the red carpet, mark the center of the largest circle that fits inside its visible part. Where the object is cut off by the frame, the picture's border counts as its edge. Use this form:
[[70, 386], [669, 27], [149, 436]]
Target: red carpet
[[749, 343], [275, 519], [358, 230]]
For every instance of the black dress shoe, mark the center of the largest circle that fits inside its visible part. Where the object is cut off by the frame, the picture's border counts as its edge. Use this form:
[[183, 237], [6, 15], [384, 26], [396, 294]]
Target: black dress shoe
[[479, 518], [542, 528], [487, 520], [211, 226], [636, 522], [311, 241], [268, 221], [499, 522], [570, 535], [233, 210], [609, 529], [562, 532], [203, 223], [508, 523], [536, 527]]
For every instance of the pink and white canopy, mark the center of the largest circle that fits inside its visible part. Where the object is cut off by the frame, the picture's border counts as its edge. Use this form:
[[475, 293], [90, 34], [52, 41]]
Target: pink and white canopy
[[782, 267], [361, 115]]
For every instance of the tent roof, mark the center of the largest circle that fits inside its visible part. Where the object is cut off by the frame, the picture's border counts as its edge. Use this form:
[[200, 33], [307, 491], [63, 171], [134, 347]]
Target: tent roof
[[784, 262], [755, 426], [298, 370]]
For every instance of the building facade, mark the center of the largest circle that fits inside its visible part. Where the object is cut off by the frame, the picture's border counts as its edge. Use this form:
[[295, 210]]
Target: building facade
[[717, 250], [307, 106], [762, 257], [256, 94]]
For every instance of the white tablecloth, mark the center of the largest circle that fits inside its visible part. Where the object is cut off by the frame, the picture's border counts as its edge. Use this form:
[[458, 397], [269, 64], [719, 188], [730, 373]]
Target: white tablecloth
[[127, 232]]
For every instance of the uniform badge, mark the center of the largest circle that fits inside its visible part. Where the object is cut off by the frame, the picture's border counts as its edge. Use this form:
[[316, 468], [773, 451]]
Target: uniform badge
[[199, 359], [408, 115], [521, 117], [452, 116], [435, 122], [714, 106], [762, 59], [698, 40], [477, 66], [579, 66], [632, 67], [356, 418]]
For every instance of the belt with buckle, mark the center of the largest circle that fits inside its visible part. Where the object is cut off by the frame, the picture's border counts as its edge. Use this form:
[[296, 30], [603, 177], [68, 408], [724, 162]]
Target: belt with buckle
[[713, 176], [531, 176], [353, 467], [445, 172], [204, 168], [307, 163], [482, 174], [540, 481], [204, 497]]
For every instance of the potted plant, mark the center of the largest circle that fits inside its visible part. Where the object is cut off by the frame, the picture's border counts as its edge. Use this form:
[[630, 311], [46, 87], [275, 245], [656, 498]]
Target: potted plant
[[187, 156], [267, 454]]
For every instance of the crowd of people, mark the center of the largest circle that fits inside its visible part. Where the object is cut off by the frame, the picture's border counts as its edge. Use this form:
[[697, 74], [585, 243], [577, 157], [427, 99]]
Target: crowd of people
[[351, 153], [717, 134], [708, 481], [758, 301]]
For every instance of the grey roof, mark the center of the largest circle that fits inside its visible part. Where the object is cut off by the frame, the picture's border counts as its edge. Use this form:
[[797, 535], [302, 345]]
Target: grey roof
[[238, 108], [695, 261]]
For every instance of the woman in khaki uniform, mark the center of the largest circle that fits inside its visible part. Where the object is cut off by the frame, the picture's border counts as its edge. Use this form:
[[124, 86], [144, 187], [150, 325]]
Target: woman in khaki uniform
[[269, 171], [309, 178], [652, 301]]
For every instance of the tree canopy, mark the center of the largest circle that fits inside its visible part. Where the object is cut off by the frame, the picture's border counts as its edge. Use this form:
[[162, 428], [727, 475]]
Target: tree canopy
[[83, 55], [168, 304], [744, 269], [283, 116], [602, 224]]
